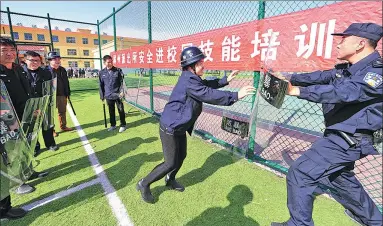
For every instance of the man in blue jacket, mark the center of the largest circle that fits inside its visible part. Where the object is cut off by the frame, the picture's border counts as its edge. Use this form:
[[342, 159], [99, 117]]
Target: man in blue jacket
[[351, 96], [111, 83]]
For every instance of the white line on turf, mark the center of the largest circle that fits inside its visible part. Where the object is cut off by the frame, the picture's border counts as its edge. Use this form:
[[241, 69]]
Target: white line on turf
[[115, 202], [60, 195]]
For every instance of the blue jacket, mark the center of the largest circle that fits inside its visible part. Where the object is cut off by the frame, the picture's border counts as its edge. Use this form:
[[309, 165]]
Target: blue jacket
[[110, 84], [351, 97], [185, 102]]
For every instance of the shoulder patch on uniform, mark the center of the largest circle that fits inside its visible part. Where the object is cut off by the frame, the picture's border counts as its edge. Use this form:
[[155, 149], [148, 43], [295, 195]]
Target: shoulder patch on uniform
[[373, 79]]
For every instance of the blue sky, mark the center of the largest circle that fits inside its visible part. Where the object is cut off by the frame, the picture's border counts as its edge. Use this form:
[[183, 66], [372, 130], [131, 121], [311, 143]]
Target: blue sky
[[86, 11]]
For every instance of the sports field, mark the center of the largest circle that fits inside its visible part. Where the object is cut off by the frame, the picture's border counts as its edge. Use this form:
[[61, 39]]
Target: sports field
[[93, 176]]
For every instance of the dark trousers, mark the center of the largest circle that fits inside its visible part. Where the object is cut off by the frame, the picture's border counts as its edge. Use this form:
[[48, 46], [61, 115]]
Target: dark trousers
[[61, 102], [112, 113], [5, 203], [49, 140], [174, 149], [328, 164]]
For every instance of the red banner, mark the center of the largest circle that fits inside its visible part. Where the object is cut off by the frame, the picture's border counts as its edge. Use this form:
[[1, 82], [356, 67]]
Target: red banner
[[300, 41]]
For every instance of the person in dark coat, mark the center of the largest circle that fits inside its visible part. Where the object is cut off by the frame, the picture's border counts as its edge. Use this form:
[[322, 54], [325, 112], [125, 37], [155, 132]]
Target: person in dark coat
[[180, 114], [63, 88], [352, 101]]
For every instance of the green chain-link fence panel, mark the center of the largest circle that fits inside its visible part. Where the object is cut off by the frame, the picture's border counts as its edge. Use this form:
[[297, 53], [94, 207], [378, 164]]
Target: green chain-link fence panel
[[77, 43], [295, 127], [132, 31], [80, 54]]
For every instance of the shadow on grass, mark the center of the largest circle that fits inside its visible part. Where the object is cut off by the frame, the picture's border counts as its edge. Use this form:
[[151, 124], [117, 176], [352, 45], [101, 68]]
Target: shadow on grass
[[105, 156], [121, 175], [102, 134], [233, 214], [213, 163]]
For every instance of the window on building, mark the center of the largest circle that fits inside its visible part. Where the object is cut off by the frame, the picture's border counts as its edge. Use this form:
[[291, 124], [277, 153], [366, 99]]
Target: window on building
[[55, 38], [70, 40], [57, 50], [104, 41], [95, 41], [72, 52], [40, 37], [84, 40], [86, 52], [86, 64], [27, 36], [72, 64], [16, 35]]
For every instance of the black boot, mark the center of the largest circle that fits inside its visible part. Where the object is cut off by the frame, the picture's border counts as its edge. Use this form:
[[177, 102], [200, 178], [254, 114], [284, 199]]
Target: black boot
[[173, 184], [146, 194], [14, 213]]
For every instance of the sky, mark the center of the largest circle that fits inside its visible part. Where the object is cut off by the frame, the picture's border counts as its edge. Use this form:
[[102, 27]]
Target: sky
[[86, 11], [169, 19]]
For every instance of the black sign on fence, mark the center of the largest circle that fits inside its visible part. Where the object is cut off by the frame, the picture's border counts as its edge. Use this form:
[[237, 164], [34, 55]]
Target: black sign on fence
[[274, 90], [239, 128]]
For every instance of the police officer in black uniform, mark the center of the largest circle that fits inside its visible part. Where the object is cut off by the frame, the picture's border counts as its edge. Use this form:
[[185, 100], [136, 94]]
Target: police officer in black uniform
[[180, 114], [18, 88], [352, 100], [37, 76], [111, 81]]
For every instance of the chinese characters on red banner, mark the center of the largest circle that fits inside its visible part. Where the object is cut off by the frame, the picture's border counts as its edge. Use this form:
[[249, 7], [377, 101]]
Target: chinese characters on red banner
[[299, 41]]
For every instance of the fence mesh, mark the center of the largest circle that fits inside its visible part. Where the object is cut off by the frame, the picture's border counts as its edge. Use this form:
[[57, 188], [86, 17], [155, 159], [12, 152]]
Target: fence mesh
[[295, 127], [77, 43], [30, 29], [289, 132]]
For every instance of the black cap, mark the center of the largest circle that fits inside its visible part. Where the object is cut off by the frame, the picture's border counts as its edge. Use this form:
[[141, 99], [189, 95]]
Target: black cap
[[52, 55], [191, 55], [364, 30]]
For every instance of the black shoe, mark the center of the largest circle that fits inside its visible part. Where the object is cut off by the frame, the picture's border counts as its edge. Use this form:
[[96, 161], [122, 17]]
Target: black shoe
[[14, 213], [354, 217], [279, 224], [173, 184], [36, 175], [146, 194], [24, 189]]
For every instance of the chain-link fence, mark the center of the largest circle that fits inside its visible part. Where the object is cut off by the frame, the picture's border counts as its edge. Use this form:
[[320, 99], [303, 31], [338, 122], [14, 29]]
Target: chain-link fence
[[289, 132], [76, 42]]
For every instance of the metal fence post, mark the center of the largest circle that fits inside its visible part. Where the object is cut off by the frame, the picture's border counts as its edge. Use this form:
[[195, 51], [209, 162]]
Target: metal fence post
[[256, 77], [99, 42], [50, 31], [150, 41], [114, 29], [10, 23], [11, 31]]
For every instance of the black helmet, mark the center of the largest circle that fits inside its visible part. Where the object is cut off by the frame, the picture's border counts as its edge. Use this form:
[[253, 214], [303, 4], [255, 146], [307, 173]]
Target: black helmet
[[191, 55], [52, 55]]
